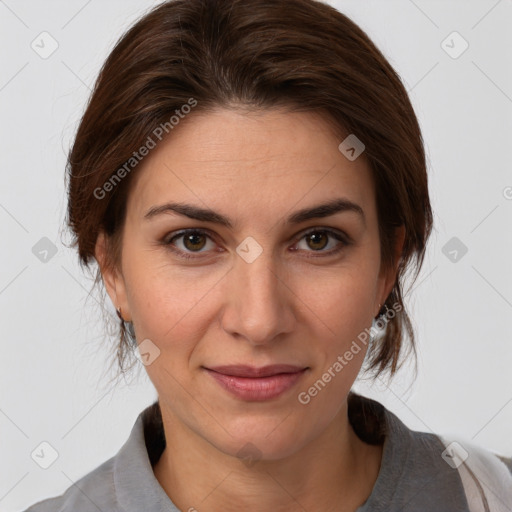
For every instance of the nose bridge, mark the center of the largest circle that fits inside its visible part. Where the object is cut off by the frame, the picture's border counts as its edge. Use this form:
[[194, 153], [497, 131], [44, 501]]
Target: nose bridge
[[258, 279], [257, 305]]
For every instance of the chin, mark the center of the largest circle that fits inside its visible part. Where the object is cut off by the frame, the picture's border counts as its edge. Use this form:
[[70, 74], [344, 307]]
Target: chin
[[257, 439], [250, 450]]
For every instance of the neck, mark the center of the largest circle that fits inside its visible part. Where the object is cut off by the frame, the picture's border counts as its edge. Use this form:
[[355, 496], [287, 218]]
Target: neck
[[336, 471]]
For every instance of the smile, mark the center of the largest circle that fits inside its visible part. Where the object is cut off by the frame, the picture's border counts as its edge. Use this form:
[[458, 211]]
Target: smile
[[256, 384]]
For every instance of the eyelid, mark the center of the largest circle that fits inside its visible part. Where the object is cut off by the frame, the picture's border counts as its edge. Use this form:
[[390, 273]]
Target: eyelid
[[342, 234], [335, 233]]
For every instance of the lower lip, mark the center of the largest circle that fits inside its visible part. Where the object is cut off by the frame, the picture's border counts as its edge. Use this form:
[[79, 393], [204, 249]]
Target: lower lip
[[257, 389]]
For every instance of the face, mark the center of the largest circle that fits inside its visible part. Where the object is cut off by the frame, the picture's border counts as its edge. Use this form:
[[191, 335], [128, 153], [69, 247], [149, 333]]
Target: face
[[269, 285]]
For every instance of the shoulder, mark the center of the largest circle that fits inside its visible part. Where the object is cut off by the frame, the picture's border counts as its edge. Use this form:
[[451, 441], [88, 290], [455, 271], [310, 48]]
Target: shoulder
[[413, 475], [123, 482], [94, 491], [507, 461], [486, 476], [424, 471], [460, 470]]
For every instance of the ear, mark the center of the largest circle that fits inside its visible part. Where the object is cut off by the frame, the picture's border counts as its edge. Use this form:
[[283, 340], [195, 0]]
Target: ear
[[112, 278], [387, 277]]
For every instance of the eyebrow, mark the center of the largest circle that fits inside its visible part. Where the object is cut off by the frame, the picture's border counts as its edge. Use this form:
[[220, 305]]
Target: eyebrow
[[205, 214]]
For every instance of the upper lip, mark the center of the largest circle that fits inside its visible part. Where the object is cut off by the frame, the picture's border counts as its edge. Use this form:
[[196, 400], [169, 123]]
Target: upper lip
[[253, 371]]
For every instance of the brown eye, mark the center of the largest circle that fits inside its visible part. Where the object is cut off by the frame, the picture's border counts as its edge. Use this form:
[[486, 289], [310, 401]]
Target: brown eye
[[188, 242], [194, 241], [318, 240]]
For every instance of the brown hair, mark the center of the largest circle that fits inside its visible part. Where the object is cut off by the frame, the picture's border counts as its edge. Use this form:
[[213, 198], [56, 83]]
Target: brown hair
[[302, 55]]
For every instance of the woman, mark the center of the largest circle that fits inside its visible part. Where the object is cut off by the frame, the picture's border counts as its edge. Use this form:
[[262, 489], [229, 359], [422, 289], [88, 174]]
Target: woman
[[250, 178]]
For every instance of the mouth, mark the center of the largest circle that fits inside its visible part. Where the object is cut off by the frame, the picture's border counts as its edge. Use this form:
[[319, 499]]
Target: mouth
[[255, 372], [251, 383]]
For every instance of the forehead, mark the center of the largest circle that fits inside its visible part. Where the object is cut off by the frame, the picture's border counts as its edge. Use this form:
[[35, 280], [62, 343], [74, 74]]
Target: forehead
[[250, 162]]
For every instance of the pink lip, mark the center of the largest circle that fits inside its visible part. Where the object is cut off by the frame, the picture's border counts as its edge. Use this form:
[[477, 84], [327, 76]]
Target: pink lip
[[256, 384]]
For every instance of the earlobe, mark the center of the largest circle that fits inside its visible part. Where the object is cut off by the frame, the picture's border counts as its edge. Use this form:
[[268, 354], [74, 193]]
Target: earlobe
[[113, 281]]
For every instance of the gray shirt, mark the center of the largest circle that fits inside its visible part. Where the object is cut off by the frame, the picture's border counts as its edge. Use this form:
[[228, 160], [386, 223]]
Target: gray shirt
[[413, 476]]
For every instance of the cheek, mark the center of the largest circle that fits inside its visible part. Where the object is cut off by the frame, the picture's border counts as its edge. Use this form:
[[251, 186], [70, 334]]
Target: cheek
[[343, 298], [171, 305], [165, 310], [175, 305], [158, 297]]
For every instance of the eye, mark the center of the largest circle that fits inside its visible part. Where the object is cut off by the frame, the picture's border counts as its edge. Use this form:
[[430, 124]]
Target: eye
[[195, 240], [192, 241], [318, 240]]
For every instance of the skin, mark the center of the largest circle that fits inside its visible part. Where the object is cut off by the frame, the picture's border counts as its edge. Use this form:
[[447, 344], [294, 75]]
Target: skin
[[298, 307]]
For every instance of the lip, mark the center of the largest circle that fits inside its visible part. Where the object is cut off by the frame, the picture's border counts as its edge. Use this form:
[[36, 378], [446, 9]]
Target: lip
[[256, 384], [255, 372]]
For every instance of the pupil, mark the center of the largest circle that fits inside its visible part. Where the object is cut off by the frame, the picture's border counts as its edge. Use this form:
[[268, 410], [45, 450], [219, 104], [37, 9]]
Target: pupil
[[191, 238], [314, 237]]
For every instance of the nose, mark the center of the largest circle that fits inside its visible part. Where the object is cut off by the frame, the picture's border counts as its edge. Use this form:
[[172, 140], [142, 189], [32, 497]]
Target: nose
[[259, 304]]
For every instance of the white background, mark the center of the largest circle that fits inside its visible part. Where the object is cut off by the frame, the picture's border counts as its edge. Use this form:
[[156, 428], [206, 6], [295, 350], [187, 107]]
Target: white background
[[53, 376]]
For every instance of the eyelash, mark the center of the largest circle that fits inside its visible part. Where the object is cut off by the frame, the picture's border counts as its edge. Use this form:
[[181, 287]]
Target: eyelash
[[344, 239]]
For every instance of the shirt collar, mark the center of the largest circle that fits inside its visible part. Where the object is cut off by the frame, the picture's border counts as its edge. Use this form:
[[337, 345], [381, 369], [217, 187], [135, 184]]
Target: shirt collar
[[135, 483], [138, 489]]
